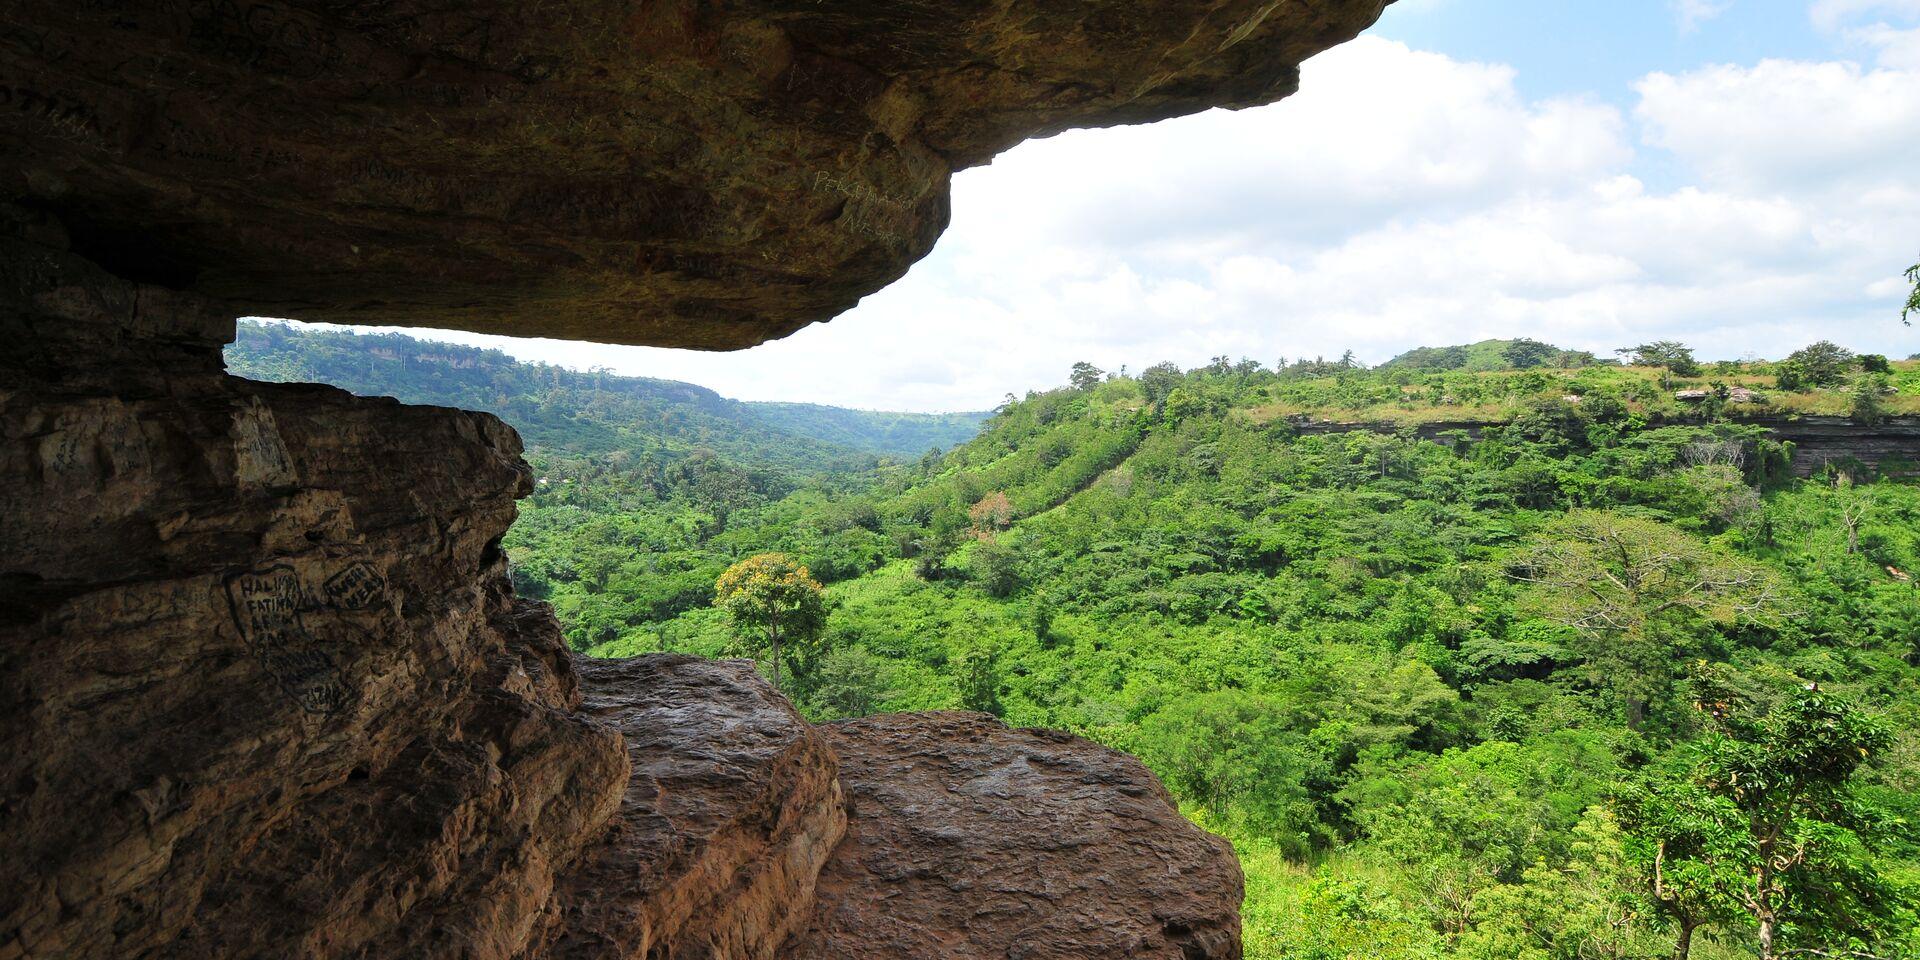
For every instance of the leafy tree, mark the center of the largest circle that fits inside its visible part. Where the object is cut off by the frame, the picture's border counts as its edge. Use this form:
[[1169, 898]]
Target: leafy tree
[[1634, 589], [771, 598], [1823, 364], [995, 568], [1589, 908], [1085, 376], [1525, 354], [1672, 355], [976, 671], [1865, 402], [851, 682], [1159, 380], [1759, 820]]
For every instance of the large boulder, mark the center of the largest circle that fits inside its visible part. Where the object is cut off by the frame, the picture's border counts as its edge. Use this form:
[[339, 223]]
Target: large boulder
[[972, 841]]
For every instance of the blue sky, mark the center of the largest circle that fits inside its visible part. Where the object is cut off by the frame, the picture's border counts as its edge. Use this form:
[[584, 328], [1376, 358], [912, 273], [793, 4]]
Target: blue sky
[[1583, 47], [1742, 175]]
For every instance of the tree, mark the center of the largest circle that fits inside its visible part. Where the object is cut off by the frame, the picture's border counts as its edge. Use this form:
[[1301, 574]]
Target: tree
[[977, 672], [1864, 403], [1633, 589], [1758, 822], [1587, 909], [1674, 356], [772, 598], [1525, 354], [851, 683], [995, 568], [1823, 364], [992, 514], [1085, 376], [1913, 300], [1159, 380]]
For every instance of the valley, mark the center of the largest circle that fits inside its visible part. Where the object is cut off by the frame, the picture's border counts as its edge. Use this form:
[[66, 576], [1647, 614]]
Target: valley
[[1451, 648]]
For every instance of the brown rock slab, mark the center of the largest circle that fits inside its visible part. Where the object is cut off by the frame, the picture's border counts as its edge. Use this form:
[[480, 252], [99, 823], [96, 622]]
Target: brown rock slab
[[671, 172], [969, 840], [730, 812]]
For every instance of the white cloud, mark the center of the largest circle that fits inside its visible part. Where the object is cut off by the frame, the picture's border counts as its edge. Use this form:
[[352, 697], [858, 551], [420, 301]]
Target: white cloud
[[1693, 13], [1888, 28], [1401, 198], [1787, 125]]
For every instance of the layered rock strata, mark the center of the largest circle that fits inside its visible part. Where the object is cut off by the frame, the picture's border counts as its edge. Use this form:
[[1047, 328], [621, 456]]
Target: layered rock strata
[[261, 692], [732, 808]]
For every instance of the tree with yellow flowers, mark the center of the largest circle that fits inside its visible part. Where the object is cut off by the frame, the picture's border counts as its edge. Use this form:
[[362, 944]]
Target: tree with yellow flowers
[[772, 601]]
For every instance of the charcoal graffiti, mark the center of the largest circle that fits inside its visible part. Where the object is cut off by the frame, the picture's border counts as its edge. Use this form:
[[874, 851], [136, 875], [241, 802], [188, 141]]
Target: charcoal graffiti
[[267, 606], [355, 588]]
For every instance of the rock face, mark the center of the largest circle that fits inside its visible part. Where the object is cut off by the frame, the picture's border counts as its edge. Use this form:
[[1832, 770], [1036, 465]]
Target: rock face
[[969, 840], [262, 694], [732, 808], [702, 173], [264, 689]]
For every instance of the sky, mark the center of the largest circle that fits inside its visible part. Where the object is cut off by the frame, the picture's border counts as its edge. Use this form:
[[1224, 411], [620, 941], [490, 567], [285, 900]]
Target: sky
[[1742, 175]]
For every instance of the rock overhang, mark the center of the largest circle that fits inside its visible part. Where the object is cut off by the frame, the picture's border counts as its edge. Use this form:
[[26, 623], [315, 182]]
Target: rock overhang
[[686, 173]]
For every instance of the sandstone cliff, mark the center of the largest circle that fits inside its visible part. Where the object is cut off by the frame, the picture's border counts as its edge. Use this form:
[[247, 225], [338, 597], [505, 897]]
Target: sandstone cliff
[[264, 689]]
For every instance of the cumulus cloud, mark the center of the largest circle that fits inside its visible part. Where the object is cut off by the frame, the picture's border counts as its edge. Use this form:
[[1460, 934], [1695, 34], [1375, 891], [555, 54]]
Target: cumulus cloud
[[1401, 198]]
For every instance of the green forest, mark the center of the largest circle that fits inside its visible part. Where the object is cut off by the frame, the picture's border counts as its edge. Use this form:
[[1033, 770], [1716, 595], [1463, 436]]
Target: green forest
[[1549, 656]]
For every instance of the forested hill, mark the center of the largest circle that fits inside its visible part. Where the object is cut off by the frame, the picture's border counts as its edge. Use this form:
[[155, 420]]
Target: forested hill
[[1557, 688], [569, 413]]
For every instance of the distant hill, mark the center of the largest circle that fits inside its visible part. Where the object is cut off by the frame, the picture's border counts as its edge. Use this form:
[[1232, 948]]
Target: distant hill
[[1493, 355], [571, 413], [876, 431]]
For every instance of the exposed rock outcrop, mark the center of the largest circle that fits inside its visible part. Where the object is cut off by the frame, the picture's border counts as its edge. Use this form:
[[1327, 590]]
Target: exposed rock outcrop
[[971, 841], [676, 172], [732, 809], [261, 692]]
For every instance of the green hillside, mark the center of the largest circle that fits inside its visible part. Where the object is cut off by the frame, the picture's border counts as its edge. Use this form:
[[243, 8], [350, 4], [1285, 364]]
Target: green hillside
[[1450, 699], [566, 412], [1490, 355]]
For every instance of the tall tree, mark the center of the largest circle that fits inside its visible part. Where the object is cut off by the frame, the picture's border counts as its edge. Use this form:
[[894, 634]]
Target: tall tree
[[1634, 589], [1085, 376], [773, 599], [1758, 822]]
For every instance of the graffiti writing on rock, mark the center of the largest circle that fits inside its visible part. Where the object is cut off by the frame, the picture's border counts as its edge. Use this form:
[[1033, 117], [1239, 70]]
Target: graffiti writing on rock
[[269, 607]]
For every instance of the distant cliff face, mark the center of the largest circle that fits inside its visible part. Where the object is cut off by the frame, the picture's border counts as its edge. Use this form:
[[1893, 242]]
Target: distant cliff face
[[1892, 445], [264, 690]]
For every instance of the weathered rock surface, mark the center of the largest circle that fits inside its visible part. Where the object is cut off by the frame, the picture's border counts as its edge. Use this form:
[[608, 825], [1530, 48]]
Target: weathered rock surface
[[971, 841], [264, 690], [705, 173], [732, 808]]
